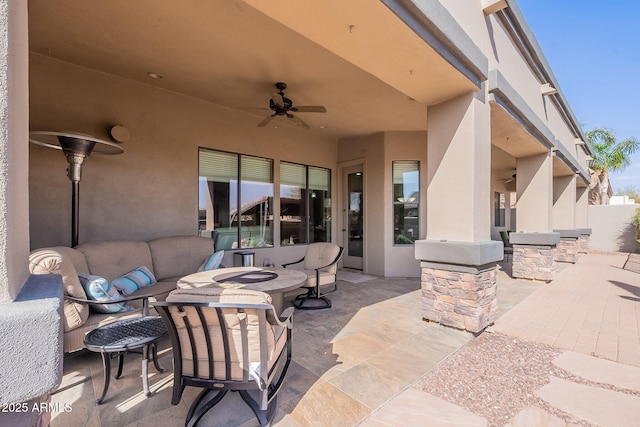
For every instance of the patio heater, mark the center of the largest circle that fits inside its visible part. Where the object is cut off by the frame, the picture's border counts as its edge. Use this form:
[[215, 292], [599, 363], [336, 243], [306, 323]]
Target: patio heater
[[76, 148]]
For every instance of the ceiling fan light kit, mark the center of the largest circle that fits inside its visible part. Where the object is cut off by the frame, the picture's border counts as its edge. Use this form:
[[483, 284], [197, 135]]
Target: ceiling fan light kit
[[283, 106]]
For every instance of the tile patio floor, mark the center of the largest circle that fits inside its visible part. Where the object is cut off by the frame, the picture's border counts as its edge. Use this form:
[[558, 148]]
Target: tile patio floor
[[348, 361]]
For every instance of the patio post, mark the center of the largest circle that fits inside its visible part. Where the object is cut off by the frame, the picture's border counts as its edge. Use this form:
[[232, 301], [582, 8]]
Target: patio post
[[534, 244], [458, 257]]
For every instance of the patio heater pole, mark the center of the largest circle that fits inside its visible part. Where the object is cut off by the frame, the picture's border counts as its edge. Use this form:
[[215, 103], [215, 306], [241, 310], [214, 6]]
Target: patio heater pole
[[76, 148]]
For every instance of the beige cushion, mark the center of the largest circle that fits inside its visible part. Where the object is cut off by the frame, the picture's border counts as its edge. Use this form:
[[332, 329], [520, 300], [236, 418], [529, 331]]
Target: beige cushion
[[116, 258], [223, 295], [275, 335], [326, 278], [179, 255], [321, 254], [65, 262]]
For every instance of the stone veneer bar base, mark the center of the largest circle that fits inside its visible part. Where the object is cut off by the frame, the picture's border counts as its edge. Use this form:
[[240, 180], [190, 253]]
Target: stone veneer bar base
[[458, 299], [534, 262]]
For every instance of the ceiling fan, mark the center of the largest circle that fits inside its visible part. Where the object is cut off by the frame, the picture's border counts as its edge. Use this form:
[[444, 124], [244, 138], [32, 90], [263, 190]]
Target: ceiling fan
[[283, 106]]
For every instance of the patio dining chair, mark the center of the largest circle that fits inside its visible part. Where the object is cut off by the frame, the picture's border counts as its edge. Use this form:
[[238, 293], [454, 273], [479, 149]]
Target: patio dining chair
[[227, 340], [508, 247], [320, 263]]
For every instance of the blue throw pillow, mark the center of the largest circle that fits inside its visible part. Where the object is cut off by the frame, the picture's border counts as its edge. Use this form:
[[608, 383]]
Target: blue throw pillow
[[137, 279], [99, 289], [212, 262]]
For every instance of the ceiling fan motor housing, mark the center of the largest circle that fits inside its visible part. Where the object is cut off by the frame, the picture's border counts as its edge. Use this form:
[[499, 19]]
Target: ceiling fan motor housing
[[281, 110], [283, 106]]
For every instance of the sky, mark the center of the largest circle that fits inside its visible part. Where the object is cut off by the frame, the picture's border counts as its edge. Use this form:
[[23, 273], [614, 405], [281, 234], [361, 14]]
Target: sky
[[593, 48]]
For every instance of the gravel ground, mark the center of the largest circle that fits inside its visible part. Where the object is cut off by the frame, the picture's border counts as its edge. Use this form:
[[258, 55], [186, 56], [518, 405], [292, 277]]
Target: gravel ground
[[496, 376]]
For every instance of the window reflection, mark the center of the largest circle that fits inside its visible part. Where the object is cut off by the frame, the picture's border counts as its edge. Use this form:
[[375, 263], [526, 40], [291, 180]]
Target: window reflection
[[406, 201], [220, 195], [305, 204]]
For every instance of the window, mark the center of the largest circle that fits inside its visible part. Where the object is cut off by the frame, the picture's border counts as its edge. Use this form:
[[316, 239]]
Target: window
[[406, 201], [500, 204], [305, 204], [228, 181]]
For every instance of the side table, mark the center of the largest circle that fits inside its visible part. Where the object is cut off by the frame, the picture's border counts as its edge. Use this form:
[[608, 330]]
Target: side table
[[123, 336]]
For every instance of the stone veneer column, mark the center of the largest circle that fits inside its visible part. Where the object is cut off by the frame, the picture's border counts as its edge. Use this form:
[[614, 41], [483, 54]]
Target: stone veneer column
[[567, 248], [534, 255], [584, 240], [460, 300], [461, 295]]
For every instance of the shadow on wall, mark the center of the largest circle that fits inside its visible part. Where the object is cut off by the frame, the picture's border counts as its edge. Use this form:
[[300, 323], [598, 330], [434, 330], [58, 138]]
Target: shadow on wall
[[627, 239]]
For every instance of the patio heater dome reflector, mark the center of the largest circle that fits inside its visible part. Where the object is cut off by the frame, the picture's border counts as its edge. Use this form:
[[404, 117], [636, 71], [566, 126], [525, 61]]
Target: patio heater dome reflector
[[76, 148]]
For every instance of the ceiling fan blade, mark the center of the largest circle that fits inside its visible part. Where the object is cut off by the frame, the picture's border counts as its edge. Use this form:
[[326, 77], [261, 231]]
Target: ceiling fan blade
[[513, 178], [277, 99], [310, 109], [298, 121], [266, 121]]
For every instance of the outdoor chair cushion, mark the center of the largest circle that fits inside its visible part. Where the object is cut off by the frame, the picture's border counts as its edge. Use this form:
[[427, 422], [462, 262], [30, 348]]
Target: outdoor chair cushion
[[276, 336], [66, 262], [179, 256], [319, 255], [116, 258]]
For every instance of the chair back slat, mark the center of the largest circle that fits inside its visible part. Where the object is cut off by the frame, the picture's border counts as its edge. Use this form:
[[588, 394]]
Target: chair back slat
[[227, 344], [181, 313], [244, 344], [210, 358]]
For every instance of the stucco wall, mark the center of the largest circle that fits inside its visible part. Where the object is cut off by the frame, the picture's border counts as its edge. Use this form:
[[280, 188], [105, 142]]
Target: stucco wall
[[369, 149], [30, 306], [400, 260], [14, 125], [152, 189], [612, 229]]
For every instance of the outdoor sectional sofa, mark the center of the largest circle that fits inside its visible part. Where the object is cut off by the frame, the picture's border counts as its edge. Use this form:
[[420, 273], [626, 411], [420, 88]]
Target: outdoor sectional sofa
[[167, 258]]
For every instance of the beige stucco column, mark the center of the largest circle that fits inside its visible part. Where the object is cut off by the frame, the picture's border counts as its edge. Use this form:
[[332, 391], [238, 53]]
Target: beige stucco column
[[564, 202], [458, 259], [459, 170], [534, 189], [534, 243]]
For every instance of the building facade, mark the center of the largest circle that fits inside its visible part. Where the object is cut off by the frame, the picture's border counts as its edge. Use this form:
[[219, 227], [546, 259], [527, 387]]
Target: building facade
[[444, 126]]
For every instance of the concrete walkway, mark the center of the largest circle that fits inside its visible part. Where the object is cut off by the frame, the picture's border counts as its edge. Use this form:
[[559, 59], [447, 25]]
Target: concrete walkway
[[592, 307], [591, 311]]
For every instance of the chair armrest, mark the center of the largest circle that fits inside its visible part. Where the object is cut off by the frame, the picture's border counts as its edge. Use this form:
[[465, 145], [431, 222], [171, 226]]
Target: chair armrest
[[291, 263], [94, 302], [286, 315], [143, 297]]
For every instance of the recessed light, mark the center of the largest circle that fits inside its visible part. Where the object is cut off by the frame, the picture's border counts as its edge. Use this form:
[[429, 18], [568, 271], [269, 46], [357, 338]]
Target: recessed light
[[154, 75], [323, 126]]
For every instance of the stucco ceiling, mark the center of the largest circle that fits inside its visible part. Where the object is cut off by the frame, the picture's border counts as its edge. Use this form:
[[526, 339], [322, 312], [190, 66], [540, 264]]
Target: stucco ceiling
[[229, 53]]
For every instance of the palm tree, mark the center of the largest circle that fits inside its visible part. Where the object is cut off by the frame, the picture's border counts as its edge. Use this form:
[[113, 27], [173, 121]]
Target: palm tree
[[609, 155]]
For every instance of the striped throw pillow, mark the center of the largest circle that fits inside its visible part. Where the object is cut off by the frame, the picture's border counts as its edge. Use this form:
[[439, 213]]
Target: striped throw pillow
[[99, 289], [137, 279]]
